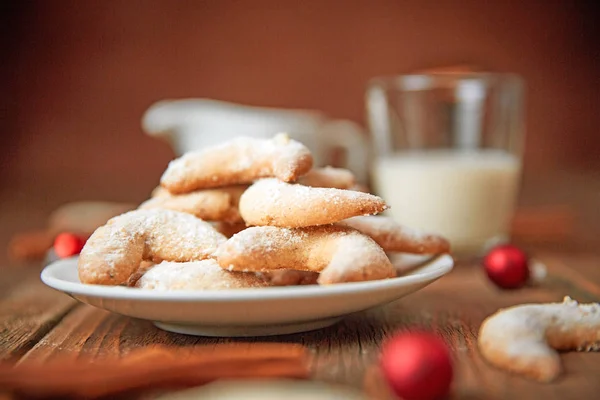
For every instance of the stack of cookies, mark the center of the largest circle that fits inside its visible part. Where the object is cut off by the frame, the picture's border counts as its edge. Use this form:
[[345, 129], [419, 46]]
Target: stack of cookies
[[250, 213]]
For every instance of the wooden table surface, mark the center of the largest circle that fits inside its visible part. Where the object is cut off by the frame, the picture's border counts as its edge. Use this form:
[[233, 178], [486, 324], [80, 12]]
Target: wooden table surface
[[38, 323]]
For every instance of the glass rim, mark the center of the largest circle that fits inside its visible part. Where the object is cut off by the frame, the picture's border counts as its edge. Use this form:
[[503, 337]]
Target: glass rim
[[428, 81]]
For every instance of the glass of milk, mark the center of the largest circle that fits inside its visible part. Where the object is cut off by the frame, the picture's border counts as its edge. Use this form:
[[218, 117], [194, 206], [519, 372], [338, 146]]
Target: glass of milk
[[447, 153]]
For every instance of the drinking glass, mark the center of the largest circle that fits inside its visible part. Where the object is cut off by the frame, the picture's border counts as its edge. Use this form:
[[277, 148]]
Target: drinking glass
[[448, 153]]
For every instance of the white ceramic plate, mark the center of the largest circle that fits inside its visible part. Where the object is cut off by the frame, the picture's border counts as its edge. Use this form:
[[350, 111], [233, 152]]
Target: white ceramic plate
[[245, 312]]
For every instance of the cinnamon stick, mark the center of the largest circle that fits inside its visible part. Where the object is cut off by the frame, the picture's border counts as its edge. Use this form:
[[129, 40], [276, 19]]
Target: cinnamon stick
[[153, 368]]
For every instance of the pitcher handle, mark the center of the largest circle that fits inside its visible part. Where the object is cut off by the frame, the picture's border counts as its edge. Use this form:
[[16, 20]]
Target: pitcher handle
[[351, 137]]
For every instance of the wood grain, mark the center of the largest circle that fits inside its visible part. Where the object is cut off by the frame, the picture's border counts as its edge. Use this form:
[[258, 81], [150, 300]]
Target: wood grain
[[38, 324], [347, 353], [458, 304], [28, 310]]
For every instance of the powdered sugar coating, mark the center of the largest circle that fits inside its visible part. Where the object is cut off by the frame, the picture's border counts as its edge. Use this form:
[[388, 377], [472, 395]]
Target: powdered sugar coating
[[340, 254], [394, 237], [241, 160], [522, 339], [114, 251], [197, 275], [210, 205], [277, 203]]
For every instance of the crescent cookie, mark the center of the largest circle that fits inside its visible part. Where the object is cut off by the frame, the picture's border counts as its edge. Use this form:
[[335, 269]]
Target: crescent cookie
[[197, 275], [393, 237], [276, 203], [241, 160], [210, 205], [340, 254], [524, 339], [159, 191], [115, 251], [329, 177]]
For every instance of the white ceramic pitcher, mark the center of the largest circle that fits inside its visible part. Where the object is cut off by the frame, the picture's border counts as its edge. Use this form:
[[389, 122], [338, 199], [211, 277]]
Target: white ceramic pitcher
[[191, 124]]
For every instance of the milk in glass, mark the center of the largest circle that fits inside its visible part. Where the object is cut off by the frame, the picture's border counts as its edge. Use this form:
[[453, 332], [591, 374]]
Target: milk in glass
[[467, 196]]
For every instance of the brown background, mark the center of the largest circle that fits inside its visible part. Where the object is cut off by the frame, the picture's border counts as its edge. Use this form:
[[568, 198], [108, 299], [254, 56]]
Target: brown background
[[77, 76]]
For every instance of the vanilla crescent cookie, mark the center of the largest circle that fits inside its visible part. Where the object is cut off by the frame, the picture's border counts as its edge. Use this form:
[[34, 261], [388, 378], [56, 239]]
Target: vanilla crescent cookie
[[276, 203], [115, 251], [241, 160], [329, 177], [524, 339], [210, 205], [393, 237], [225, 227], [339, 253], [197, 275], [159, 191]]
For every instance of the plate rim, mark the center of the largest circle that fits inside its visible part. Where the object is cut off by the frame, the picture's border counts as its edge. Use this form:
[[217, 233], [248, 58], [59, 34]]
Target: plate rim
[[445, 264]]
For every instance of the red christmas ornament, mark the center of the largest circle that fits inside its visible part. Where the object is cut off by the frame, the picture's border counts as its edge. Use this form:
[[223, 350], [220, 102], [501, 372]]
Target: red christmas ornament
[[417, 365], [507, 266], [68, 245]]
